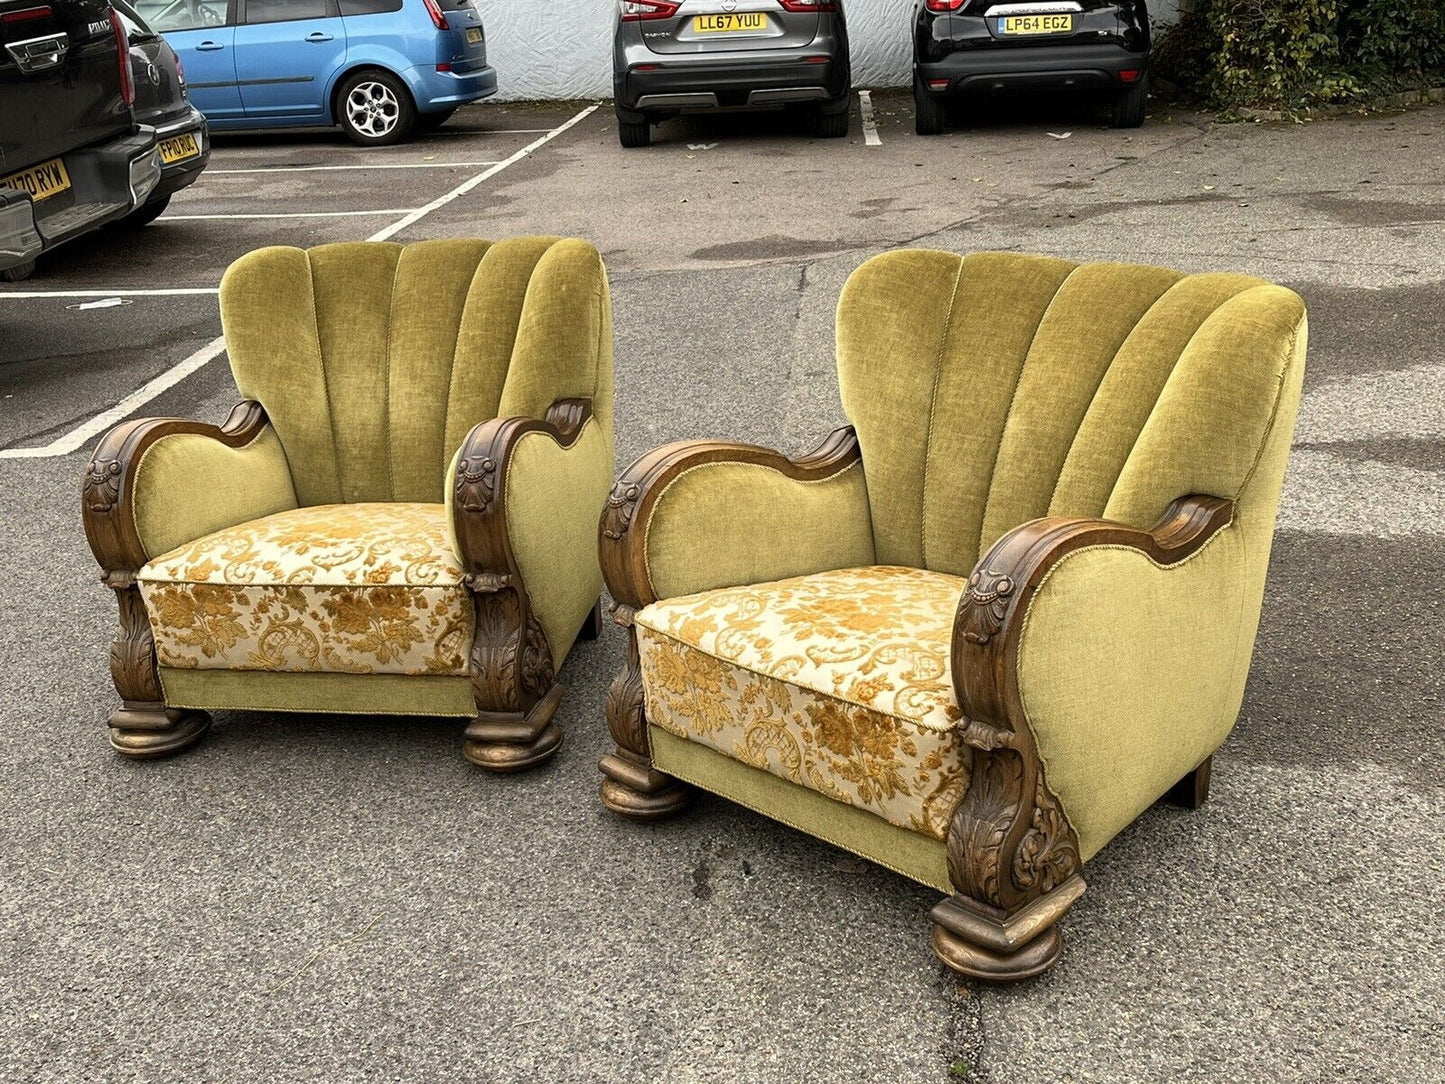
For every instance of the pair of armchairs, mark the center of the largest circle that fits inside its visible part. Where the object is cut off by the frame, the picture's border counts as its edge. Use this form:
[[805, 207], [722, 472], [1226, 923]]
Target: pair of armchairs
[[970, 638]]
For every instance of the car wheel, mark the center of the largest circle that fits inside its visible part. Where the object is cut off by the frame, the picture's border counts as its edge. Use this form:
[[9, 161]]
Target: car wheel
[[18, 272], [634, 133], [1129, 106], [374, 109], [145, 214], [927, 109], [430, 122], [831, 125]]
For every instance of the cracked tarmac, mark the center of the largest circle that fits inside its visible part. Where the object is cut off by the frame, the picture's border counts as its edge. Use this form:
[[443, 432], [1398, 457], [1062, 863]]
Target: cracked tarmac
[[303, 898]]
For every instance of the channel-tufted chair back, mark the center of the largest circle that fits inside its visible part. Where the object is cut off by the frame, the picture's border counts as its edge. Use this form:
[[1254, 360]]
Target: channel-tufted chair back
[[373, 359], [994, 388]]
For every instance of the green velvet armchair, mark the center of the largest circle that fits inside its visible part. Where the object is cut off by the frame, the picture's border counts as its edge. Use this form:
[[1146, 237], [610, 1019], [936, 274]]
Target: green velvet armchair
[[985, 626], [399, 518]]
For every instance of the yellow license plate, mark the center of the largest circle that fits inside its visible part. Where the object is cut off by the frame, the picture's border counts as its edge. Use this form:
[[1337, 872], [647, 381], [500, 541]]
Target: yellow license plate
[[42, 181], [742, 22], [473, 35], [1035, 24], [179, 148]]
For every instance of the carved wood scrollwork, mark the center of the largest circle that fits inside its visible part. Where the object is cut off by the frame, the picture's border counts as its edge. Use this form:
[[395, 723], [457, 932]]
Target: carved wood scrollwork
[[1009, 842], [626, 717], [510, 660], [985, 600], [101, 489], [621, 506]]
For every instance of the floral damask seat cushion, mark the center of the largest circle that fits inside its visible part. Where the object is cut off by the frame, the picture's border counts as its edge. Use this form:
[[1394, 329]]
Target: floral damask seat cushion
[[837, 681], [348, 588]]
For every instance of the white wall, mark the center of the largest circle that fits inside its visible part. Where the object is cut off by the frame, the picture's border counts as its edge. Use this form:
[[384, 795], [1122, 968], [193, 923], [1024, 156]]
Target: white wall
[[552, 49]]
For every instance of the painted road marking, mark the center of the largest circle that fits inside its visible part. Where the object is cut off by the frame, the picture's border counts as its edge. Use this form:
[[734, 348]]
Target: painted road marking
[[870, 129], [467, 185], [295, 214], [327, 169], [82, 434], [179, 291]]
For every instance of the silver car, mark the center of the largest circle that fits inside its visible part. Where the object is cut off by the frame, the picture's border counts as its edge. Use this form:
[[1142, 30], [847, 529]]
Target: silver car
[[684, 56]]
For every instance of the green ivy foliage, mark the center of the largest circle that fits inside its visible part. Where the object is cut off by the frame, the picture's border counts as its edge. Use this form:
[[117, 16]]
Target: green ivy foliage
[[1288, 53]]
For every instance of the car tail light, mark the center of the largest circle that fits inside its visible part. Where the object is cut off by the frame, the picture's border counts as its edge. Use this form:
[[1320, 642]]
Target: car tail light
[[180, 71], [122, 56], [633, 11], [1129, 75], [945, 5], [804, 6], [24, 15], [438, 16]]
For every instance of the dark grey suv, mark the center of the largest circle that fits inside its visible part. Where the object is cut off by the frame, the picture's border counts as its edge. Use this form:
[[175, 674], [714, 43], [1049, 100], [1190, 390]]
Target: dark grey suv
[[683, 56]]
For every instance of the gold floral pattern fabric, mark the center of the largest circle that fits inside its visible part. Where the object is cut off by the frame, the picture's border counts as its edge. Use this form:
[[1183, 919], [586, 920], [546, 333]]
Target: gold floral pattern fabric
[[838, 681], [342, 588]]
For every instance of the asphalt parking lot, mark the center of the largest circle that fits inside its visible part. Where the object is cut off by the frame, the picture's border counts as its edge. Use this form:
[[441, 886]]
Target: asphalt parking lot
[[309, 898]]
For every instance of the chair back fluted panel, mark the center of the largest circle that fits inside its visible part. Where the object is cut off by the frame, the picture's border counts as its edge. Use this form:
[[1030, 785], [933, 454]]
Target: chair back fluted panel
[[373, 359]]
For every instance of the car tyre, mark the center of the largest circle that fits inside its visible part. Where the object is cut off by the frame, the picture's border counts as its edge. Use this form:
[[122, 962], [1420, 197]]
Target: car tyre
[[145, 214], [374, 108], [1129, 106], [831, 125], [634, 133], [927, 110], [430, 122], [19, 272]]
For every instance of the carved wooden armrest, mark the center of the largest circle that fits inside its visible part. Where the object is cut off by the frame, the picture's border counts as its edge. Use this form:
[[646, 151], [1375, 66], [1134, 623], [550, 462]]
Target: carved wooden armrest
[[622, 533], [108, 492], [510, 662], [1012, 855], [991, 611]]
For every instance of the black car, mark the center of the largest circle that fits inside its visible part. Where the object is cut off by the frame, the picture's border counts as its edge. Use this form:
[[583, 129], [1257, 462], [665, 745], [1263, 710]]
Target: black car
[[686, 56], [161, 100], [72, 156], [972, 48]]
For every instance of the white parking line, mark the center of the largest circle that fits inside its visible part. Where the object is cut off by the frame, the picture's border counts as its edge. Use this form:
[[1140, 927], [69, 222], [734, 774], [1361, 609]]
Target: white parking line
[[865, 109], [327, 169], [296, 214], [467, 185], [178, 291], [82, 434]]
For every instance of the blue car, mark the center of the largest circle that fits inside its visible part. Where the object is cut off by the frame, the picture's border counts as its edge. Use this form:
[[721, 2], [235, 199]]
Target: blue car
[[379, 68]]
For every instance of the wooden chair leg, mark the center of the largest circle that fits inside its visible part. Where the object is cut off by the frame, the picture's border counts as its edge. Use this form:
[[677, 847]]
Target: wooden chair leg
[[592, 626], [631, 786], [1191, 791]]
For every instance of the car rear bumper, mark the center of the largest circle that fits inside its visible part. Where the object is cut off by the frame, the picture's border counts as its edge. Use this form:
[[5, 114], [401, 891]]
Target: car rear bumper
[[718, 82], [178, 175], [1057, 67], [435, 91], [19, 239]]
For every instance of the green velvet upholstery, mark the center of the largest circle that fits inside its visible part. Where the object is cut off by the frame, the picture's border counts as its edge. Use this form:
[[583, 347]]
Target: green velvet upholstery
[[991, 389], [725, 524], [373, 361]]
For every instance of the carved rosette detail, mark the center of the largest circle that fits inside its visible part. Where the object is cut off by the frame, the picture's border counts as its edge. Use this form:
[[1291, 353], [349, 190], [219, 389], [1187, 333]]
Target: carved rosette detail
[[101, 489], [1048, 855], [476, 485], [621, 505], [536, 674], [984, 605]]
